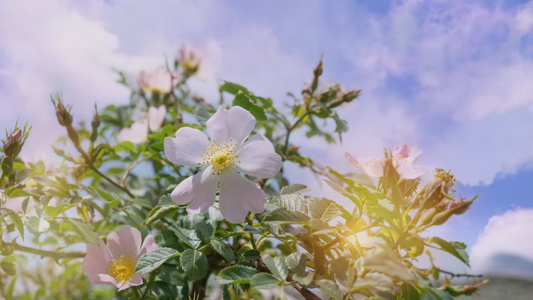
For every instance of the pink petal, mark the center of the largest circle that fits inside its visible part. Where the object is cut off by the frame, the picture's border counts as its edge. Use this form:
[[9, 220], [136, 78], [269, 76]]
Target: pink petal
[[148, 245], [186, 148], [156, 116], [236, 123], [137, 133], [239, 195], [198, 190], [413, 172], [125, 241], [137, 280], [371, 166], [106, 279], [96, 261], [258, 158]]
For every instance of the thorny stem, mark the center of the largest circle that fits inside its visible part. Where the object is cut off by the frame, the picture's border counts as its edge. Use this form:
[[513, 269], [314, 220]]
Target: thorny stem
[[44, 253]]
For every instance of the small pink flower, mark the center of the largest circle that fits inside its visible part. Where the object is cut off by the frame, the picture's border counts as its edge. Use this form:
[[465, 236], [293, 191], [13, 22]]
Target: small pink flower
[[189, 58], [403, 158], [159, 81], [138, 132], [114, 263]]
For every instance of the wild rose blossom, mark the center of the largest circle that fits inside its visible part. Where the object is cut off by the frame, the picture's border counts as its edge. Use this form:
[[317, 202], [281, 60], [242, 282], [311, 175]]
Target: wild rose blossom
[[138, 132], [224, 157], [189, 58], [403, 158], [114, 263], [159, 81]]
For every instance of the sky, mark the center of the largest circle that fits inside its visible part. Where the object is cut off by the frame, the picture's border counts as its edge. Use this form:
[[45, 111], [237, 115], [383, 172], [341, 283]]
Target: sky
[[452, 77]]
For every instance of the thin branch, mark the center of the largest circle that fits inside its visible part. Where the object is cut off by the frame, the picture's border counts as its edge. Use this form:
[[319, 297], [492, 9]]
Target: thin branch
[[45, 253]]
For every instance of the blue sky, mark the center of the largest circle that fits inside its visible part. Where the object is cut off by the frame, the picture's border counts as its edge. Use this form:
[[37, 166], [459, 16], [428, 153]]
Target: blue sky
[[453, 77]]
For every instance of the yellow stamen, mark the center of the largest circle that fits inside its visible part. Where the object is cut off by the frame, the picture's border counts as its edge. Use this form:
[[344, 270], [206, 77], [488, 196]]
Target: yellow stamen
[[220, 155], [122, 268]]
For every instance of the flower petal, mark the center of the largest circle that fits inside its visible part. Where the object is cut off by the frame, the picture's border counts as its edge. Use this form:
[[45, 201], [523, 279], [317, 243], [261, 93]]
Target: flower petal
[[186, 148], [239, 195], [408, 171], [371, 166], [258, 158], [96, 261], [106, 279], [137, 280], [198, 190], [156, 116], [124, 241], [411, 154], [236, 123], [148, 245], [137, 133]]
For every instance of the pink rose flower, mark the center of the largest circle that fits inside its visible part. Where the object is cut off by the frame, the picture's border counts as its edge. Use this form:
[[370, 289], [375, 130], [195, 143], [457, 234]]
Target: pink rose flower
[[159, 81], [403, 159], [114, 263]]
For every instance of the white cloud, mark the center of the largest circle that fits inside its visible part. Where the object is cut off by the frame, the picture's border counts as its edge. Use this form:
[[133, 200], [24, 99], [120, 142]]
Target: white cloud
[[508, 237]]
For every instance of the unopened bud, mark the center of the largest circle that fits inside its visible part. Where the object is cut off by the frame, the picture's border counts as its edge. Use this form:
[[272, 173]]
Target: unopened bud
[[435, 190], [96, 120], [13, 144], [63, 114], [349, 96], [318, 69]]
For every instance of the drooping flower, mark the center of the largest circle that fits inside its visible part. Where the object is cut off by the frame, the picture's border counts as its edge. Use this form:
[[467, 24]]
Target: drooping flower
[[114, 263], [138, 132], [224, 157], [159, 81], [403, 159], [189, 58]]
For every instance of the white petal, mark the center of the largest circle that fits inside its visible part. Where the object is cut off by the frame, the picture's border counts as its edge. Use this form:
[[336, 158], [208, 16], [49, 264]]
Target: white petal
[[258, 158], [186, 148], [412, 172], [236, 123], [156, 116], [137, 133], [198, 190], [239, 195]]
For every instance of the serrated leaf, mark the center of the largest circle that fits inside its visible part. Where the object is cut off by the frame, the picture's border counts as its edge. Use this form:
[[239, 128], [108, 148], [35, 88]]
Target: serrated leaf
[[374, 280], [330, 288], [85, 231], [296, 262], [251, 255], [277, 266], [283, 216], [23, 175], [37, 225], [159, 212], [194, 263], [324, 209], [294, 188], [154, 259], [224, 250], [165, 200], [190, 237], [235, 274], [265, 281], [343, 271], [408, 291], [16, 220], [455, 249]]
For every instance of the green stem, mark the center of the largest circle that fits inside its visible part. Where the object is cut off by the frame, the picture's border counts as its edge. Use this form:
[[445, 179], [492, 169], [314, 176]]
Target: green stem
[[289, 130], [45, 253], [123, 188]]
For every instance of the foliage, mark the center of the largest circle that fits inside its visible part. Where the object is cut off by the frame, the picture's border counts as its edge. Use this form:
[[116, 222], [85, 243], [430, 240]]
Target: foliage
[[307, 243]]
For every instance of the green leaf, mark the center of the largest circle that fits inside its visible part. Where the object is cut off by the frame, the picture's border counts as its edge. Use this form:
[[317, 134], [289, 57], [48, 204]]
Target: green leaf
[[165, 200], [37, 225], [224, 250], [251, 255], [153, 259], [16, 220], [232, 88], [258, 112], [128, 146], [408, 291], [374, 280], [190, 237], [23, 175], [242, 100], [294, 188], [265, 281], [330, 288], [235, 274], [277, 266], [296, 262], [283, 215], [343, 271], [456, 249], [9, 268], [194, 263], [85, 231], [324, 209], [159, 212]]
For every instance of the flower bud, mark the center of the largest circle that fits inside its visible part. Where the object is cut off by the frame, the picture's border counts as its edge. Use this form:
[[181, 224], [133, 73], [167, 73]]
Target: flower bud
[[63, 113], [13, 144], [351, 95], [435, 190], [96, 120], [318, 69]]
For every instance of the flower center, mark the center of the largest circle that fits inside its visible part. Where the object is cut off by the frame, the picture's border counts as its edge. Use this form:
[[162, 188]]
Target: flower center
[[122, 268], [220, 155]]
